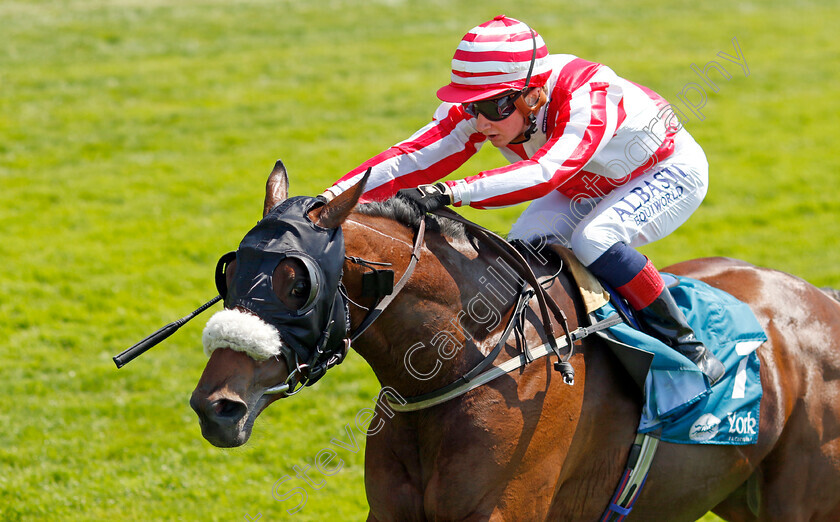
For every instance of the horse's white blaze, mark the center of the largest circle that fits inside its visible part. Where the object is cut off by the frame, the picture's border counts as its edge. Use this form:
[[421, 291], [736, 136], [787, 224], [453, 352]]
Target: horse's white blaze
[[241, 332]]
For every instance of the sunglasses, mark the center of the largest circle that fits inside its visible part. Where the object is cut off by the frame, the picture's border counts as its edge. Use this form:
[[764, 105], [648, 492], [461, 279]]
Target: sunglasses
[[494, 109]]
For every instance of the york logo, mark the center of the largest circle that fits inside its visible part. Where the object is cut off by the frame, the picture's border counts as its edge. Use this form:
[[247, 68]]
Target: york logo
[[742, 425]]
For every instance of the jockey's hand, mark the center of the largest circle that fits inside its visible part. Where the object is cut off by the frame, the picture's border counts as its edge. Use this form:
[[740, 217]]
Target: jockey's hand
[[326, 196], [428, 197]]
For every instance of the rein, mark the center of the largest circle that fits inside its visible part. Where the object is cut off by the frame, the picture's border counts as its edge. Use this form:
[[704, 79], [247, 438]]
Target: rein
[[529, 287], [518, 262], [477, 376]]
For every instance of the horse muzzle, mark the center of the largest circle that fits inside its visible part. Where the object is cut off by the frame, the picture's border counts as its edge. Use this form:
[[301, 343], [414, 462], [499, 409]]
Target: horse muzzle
[[222, 420]]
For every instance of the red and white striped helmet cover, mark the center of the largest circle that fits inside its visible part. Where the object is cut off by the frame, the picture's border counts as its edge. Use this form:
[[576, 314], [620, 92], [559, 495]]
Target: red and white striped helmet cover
[[493, 58]]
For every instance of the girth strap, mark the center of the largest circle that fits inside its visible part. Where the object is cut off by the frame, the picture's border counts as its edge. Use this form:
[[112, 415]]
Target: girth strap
[[634, 477]]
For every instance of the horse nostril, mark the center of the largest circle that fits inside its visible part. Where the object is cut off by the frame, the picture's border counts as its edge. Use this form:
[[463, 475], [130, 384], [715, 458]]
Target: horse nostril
[[229, 410]]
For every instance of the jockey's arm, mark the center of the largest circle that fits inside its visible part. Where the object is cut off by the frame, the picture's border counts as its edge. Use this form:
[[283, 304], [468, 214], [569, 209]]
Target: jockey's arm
[[586, 121], [432, 153]]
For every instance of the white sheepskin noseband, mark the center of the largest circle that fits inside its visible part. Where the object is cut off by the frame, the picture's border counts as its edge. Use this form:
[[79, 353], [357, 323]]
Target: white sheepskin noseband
[[241, 332]]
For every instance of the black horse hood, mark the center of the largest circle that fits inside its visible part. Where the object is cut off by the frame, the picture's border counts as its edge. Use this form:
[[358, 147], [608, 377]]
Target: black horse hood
[[320, 326]]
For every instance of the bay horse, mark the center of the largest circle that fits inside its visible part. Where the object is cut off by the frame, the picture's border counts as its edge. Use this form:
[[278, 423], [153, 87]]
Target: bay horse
[[526, 446]]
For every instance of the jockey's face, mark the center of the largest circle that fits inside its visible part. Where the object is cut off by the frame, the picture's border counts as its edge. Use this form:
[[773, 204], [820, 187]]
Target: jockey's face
[[501, 133]]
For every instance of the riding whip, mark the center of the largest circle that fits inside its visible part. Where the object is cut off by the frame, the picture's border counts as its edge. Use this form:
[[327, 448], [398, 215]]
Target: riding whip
[[138, 349]]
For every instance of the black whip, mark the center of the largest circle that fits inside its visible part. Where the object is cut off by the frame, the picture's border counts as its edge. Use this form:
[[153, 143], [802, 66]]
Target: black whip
[[138, 349]]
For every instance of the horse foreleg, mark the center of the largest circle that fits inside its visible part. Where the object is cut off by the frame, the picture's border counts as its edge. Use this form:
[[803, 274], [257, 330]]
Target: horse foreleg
[[393, 488]]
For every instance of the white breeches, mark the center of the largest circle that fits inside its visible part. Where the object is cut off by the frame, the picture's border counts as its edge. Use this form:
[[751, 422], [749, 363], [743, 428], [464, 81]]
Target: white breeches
[[638, 212]]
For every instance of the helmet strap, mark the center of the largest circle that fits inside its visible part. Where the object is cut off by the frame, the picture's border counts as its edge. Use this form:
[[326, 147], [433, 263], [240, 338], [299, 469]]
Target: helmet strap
[[528, 106]]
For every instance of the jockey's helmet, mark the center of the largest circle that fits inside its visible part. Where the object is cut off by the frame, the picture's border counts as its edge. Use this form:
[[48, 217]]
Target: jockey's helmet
[[496, 57]]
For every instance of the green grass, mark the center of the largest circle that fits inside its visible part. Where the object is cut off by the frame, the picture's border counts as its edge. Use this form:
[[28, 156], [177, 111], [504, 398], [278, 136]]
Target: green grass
[[135, 139]]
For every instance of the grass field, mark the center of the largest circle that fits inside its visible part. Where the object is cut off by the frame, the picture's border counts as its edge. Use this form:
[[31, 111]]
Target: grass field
[[135, 139]]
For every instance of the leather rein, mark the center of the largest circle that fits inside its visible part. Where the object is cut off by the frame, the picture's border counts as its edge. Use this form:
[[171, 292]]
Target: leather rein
[[529, 287]]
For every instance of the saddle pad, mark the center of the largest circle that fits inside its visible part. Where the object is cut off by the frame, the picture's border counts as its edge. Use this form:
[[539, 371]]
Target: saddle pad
[[677, 397]]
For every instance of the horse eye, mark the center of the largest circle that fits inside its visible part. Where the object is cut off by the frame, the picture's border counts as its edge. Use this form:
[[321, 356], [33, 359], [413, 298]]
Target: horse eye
[[291, 283], [300, 289]]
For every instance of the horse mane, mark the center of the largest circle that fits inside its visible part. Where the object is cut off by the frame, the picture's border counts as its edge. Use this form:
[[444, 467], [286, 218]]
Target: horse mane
[[409, 214]]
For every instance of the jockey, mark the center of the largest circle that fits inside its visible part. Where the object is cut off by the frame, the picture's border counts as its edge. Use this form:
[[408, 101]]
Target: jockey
[[604, 161]]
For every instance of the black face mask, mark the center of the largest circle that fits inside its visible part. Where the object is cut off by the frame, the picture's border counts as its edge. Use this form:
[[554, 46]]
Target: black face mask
[[317, 329]]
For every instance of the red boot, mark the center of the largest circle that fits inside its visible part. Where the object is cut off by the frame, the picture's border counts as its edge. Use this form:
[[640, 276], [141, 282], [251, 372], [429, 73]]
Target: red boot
[[664, 320]]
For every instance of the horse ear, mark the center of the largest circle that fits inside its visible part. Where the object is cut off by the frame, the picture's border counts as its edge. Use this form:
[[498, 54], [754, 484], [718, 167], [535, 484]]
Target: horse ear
[[333, 214], [276, 188]]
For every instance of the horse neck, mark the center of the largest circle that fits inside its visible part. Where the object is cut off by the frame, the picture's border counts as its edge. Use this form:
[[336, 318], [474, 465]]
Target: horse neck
[[445, 320]]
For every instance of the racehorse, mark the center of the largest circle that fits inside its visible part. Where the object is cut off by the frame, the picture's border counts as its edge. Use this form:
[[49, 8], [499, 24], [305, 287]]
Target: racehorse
[[526, 446]]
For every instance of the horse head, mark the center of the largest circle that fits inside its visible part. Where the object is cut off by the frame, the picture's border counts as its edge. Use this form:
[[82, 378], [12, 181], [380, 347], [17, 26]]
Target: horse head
[[284, 321]]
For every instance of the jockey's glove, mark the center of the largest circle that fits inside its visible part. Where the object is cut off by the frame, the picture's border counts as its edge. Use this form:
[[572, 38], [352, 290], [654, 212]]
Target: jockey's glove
[[326, 196], [428, 197]]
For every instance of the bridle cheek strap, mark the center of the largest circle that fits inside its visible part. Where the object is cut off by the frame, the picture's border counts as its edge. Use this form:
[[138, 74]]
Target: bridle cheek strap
[[306, 374], [377, 310]]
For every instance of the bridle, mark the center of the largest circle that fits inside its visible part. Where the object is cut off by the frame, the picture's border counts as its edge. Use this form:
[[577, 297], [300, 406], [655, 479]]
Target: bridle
[[530, 286], [301, 375], [389, 294]]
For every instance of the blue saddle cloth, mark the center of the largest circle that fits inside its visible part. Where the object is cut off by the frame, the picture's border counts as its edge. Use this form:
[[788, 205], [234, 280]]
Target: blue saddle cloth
[[677, 398]]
